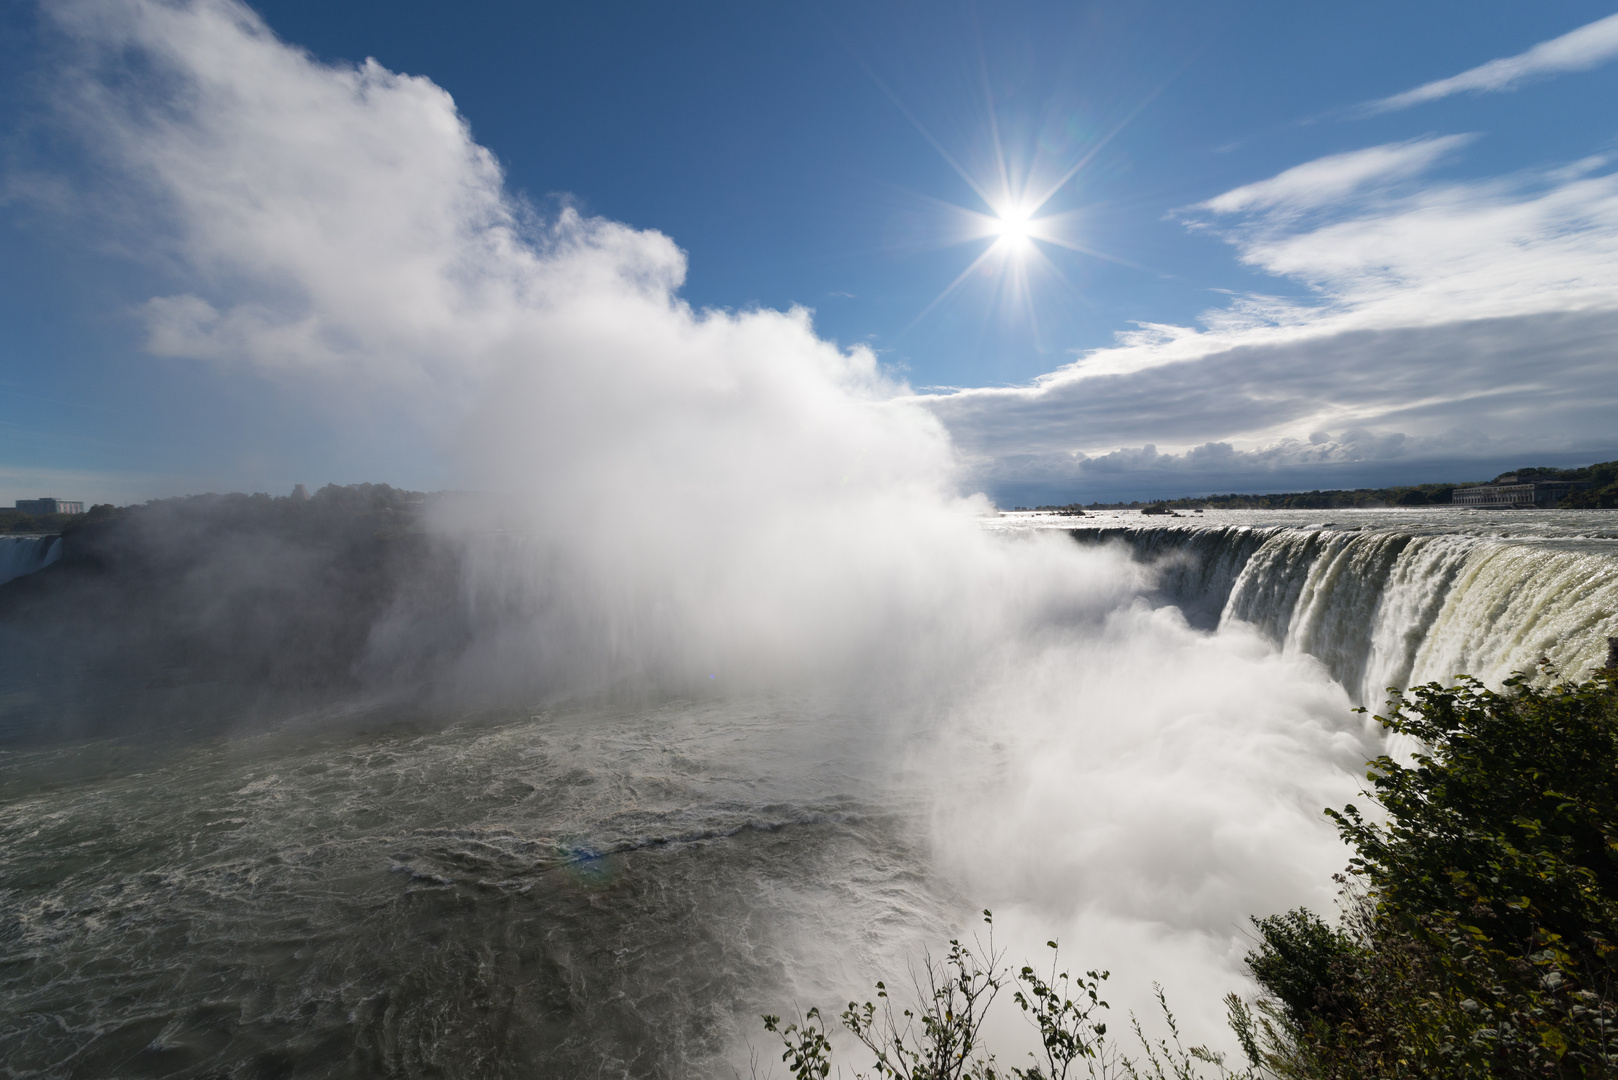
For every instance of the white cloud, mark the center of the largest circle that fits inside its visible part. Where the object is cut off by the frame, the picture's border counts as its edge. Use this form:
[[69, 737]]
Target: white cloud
[[343, 214], [1326, 180], [1454, 251], [1588, 46], [1432, 313], [337, 225]]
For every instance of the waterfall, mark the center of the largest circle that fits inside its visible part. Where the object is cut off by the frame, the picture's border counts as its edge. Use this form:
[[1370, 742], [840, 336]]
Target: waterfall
[[1510, 604], [1416, 590], [21, 555], [1197, 568], [1388, 607], [1341, 598]]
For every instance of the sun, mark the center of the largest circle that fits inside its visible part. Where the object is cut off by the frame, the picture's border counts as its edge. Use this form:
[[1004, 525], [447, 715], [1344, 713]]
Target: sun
[[1019, 228], [1014, 227]]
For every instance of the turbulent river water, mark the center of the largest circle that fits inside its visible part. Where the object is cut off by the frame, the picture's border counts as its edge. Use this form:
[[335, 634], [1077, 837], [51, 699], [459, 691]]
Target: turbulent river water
[[593, 892], [617, 886]]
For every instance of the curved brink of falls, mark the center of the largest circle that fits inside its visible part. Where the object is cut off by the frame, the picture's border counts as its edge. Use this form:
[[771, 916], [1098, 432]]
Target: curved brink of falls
[[1388, 607]]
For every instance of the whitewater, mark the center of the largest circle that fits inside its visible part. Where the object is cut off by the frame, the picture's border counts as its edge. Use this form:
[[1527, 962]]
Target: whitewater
[[1388, 598], [618, 883]]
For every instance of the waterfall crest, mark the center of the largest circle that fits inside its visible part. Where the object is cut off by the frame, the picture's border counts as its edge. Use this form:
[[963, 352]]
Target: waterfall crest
[[1388, 607]]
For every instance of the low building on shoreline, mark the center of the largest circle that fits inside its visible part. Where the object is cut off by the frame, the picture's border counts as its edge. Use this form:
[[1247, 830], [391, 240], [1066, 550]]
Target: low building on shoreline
[[49, 506], [1509, 492]]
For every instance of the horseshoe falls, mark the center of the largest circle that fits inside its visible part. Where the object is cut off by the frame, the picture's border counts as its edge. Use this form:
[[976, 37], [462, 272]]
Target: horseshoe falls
[[547, 817], [1386, 599]]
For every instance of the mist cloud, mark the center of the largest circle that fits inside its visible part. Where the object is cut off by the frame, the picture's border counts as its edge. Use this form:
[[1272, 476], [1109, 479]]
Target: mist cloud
[[697, 499], [338, 225]]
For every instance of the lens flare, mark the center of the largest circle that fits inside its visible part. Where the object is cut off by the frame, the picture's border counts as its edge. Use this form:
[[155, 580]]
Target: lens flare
[[1020, 226]]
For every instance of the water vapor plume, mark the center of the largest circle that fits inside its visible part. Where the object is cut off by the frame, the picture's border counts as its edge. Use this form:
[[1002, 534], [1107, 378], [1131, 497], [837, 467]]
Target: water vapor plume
[[721, 502]]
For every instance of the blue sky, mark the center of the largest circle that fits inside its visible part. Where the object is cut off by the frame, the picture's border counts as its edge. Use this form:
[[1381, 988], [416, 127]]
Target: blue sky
[[1423, 291]]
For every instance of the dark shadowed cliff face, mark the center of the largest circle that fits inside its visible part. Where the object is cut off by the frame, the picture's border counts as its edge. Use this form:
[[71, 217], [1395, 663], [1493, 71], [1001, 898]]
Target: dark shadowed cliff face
[[188, 610]]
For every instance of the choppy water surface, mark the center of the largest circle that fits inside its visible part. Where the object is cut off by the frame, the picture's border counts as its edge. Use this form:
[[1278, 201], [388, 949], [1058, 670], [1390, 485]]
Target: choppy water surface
[[612, 889], [605, 891]]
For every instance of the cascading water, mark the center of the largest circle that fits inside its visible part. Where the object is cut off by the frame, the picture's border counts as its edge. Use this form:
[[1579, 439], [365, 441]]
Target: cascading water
[[1513, 603], [1414, 593], [1397, 598], [1342, 596], [22, 555], [1197, 568]]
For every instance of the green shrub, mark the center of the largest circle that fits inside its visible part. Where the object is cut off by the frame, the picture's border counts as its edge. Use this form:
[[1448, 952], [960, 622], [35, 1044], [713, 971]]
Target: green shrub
[[1480, 930], [1306, 965]]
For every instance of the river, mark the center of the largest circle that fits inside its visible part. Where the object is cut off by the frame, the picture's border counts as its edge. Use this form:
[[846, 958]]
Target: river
[[618, 883]]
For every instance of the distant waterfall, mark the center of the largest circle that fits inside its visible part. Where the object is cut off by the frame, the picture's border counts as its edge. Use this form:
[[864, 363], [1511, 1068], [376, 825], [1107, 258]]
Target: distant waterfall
[[21, 555], [1385, 607]]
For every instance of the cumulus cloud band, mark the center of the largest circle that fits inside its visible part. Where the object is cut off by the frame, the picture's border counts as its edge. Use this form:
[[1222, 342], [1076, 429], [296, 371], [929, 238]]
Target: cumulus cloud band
[[1430, 314]]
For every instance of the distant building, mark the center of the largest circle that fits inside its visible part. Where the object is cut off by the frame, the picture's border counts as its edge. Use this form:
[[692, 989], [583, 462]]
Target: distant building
[[1510, 492], [49, 506], [300, 493]]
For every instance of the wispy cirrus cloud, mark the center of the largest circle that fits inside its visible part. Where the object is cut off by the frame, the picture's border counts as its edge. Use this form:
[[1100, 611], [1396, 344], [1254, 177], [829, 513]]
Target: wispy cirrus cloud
[[1578, 50], [1330, 179]]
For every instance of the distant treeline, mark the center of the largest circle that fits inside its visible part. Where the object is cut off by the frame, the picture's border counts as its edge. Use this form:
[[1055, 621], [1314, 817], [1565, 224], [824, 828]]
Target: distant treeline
[[1602, 493], [16, 521], [261, 508]]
